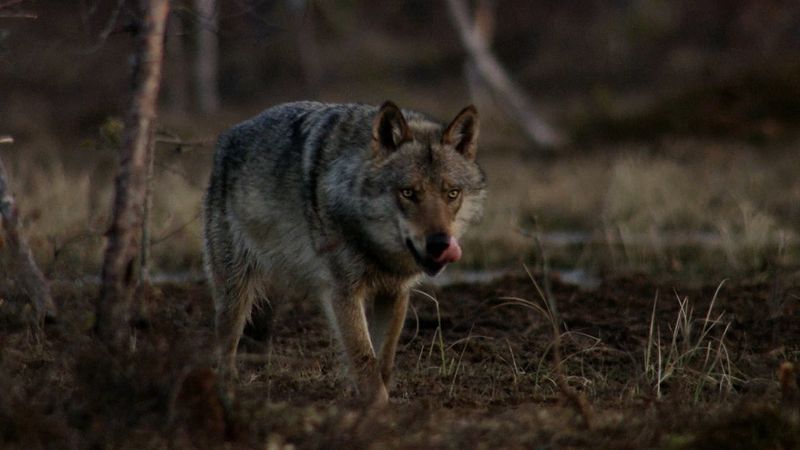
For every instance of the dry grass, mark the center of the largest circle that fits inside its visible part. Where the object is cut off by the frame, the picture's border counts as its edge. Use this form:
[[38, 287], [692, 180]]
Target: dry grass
[[647, 194], [65, 209], [649, 199], [688, 206]]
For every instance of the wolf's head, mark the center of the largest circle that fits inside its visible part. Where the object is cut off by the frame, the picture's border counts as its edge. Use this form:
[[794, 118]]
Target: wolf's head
[[423, 187]]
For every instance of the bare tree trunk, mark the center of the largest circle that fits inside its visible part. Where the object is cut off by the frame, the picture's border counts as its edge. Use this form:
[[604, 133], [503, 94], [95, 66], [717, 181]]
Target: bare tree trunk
[[207, 55], [307, 48], [23, 267], [119, 278], [175, 74], [489, 69]]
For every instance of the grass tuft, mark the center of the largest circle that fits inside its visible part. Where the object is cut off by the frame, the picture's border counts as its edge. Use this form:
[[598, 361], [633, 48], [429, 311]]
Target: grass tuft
[[695, 355]]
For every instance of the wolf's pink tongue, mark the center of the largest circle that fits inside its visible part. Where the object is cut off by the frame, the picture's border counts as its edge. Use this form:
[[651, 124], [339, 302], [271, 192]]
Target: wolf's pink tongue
[[451, 254]]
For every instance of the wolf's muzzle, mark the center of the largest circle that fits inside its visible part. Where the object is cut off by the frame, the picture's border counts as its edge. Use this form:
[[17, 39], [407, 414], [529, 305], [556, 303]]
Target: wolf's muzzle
[[440, 250], [436, 244]]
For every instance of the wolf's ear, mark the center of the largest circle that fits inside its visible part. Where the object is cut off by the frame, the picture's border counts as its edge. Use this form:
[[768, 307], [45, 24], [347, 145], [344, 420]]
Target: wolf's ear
[[389, 129], [462, 133]]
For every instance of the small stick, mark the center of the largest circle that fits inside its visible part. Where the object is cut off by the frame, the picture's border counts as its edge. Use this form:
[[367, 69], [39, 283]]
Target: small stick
[[577, 399]]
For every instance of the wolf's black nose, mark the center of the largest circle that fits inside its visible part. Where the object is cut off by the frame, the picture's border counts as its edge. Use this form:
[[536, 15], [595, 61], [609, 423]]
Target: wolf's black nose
[[436, 244]]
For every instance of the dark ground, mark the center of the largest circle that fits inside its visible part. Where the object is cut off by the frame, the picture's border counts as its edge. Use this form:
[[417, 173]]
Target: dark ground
[[485, 381]]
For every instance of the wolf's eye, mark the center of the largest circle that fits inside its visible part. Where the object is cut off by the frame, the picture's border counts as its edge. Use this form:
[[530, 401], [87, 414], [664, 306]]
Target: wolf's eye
[[453, 194], [407, 193]]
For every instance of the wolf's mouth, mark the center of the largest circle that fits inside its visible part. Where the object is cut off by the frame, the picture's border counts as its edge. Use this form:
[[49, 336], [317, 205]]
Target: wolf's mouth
[[428, 265]]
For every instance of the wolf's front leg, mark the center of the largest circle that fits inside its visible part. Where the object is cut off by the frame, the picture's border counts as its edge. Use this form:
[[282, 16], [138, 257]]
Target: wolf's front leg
[[347, 307], [386, 324]]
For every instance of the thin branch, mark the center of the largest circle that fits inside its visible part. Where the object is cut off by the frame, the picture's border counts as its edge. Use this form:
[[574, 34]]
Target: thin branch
[[19, 15], [107, 30], [177, 230]]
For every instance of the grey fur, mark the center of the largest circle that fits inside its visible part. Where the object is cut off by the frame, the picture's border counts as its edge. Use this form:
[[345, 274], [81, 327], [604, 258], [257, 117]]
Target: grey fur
[[304, 202]]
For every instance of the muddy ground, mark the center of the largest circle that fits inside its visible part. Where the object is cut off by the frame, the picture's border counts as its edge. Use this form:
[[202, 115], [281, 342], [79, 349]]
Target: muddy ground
[[476, 372]]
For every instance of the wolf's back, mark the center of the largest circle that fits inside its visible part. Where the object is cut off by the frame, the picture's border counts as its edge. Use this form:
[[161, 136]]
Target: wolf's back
[[272, 137], [288, 145], [272, 172]]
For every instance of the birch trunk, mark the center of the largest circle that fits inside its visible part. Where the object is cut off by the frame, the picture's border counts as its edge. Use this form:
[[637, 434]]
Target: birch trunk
[[119, 277]]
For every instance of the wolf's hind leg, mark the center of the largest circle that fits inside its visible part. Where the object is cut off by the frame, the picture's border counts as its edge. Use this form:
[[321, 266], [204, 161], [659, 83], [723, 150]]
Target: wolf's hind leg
[[233, 304]]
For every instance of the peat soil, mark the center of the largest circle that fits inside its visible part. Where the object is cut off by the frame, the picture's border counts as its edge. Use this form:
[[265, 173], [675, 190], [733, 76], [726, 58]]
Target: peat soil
[[474, 370]]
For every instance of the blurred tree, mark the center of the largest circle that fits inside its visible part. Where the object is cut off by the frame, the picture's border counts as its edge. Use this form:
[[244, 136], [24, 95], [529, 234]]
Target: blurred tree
[[475, 34], [175, 76], [479, 91], [307, 47], [207, 58], [28, 278]]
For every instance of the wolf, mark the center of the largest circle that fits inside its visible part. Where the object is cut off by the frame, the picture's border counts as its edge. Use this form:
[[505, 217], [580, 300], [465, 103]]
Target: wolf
[[343, 204]]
